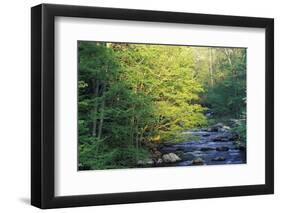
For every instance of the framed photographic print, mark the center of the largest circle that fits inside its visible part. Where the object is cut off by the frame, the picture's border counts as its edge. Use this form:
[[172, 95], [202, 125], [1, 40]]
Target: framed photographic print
[[139, 106]]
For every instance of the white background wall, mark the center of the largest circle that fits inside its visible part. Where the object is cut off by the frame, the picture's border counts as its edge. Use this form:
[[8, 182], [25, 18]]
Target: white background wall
[[15, 105]]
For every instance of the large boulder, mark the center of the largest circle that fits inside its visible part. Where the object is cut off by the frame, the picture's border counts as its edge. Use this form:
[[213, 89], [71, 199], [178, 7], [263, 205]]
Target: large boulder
[[170, 158]]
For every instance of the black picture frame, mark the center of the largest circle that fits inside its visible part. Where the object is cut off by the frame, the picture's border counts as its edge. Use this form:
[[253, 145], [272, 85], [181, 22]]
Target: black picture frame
[[43, 110]]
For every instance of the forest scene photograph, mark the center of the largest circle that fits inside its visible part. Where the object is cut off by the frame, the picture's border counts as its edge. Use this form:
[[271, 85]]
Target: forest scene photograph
[[158, 105]]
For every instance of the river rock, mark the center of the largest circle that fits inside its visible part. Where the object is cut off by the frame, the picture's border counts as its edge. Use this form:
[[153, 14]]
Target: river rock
[[170, 158], [221, 138], [224, 129], [233, 136], [190, 149], [188, 156], [180, 148], [198, 161], [225, 137], [219, 127], [219, 158], [216, 127], [204, 149], [179, 153], [209, 114], [145, 162], [156, 154], [159, 161], [222, 148], [234, 122]]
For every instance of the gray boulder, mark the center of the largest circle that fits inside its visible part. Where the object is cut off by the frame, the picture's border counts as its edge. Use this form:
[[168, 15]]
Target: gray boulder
[[170, 158]]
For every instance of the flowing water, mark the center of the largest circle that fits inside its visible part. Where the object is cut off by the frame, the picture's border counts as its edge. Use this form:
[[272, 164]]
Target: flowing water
[[212, 148]]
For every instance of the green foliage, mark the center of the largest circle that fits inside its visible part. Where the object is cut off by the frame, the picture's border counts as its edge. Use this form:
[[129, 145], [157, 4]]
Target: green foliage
[[133, 94], [241, 128], [101, 156], [164, 73], [179, 137], [226, 97]]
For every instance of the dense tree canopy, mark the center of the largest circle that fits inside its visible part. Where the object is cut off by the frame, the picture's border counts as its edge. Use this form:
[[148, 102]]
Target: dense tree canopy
[[131, 95]]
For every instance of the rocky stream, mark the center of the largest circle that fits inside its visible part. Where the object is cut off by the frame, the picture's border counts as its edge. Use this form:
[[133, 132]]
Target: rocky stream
[[215, 146]]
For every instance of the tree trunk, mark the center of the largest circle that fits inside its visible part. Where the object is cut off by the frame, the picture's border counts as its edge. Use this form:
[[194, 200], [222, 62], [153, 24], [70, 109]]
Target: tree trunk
[[132, 123], [102, 112], [95, 110], [137, 141], [234, 78], [211, 66]]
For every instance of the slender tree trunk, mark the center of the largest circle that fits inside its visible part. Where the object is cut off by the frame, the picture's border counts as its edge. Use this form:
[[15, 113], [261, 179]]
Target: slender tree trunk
[[102, 112], [102, 103], [132, 123], [95, 110], [227, 56], [137, 141], [234, 78], [211, 66]]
